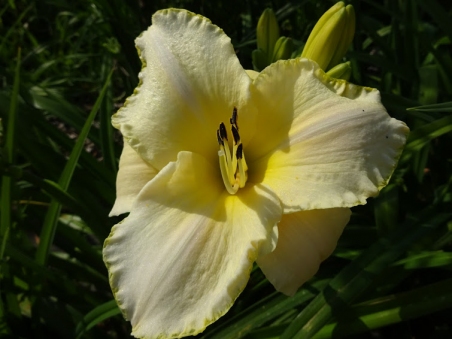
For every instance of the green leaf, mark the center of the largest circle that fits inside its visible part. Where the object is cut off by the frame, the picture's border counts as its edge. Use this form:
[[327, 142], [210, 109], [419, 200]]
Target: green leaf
[[428, 92], [7, 156], [423, 135], [439, 14], [356, 277], [264, 311], [387, 209], [392, 309], [56, 105], [51, 219], [97, 315], [442, 107], [426, 260], [106, 128]]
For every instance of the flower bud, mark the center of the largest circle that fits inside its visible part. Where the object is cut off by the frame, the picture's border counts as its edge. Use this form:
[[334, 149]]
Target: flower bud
[[341, 71], [283, 49], [331, 36], [267, 33], [259, 59]]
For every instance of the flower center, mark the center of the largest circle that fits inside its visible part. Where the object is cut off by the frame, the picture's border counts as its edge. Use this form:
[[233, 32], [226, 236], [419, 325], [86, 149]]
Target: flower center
[[233, 166]]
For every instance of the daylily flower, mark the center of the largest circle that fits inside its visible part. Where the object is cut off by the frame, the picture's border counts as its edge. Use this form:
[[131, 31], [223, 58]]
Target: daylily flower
[[220, 170]]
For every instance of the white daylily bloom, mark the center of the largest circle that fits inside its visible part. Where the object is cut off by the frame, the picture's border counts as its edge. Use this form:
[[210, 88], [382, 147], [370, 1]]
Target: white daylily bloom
[[220, 170]]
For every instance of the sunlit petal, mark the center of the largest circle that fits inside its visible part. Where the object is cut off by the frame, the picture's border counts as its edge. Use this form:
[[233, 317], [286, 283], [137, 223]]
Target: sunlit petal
[[321, 143], [305, 239], [184, 254], [252, 74], [190, 82], [134, 173]]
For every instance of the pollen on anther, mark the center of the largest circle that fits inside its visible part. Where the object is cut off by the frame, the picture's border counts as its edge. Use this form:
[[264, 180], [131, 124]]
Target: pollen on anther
[[239, 151], [235, 134], [234, 118], [223, 133], [220, 141]]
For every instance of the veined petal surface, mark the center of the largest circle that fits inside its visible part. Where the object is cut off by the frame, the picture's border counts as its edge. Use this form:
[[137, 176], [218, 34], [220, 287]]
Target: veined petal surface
[[320, 142], [134, 173], [305, 239], [190, 82], [184, 253]]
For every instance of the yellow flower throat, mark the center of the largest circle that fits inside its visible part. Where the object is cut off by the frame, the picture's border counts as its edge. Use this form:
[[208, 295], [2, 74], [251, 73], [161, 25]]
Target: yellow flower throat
[[233, 166]]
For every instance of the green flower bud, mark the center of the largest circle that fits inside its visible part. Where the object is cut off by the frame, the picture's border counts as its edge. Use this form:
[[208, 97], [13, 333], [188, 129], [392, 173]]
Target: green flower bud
[[341, 71], [259, 58], [267, 33], [283, 49], [331, 36]]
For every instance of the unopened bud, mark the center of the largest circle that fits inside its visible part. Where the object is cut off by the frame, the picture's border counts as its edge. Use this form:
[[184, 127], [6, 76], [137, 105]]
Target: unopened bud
[[341, 71], [259, 59], [267, 33], [331, 36], [283, 49]]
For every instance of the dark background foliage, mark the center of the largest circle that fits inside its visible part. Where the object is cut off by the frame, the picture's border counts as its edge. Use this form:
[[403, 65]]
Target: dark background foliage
[[390, 276]]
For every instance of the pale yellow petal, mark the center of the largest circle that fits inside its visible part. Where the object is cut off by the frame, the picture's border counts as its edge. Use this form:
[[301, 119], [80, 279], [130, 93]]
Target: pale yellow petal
[[305, 239], [321, 143], [190, 82], [252, 74], [184, 253], [134, 173]]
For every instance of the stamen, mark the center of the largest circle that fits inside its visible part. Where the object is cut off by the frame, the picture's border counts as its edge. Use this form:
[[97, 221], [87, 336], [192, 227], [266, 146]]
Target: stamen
[[242, 175], [233, 166], [245, 166], [236, 137], [239, 152], [235, 134], [234, 119], [224, 136], [232, 189], [223, 133], [220, 141]]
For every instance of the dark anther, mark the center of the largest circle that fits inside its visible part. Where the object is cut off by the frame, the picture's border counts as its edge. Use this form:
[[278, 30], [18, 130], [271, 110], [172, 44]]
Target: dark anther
[[238, 154], [223, 133], [234, 118], [235, 134], [220, 141]]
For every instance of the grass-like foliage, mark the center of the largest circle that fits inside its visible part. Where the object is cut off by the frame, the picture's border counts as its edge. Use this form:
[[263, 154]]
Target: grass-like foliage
[[66, 67]]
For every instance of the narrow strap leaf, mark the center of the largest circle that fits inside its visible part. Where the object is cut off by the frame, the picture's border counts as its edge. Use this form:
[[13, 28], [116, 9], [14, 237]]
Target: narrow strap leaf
[[359, 274], [8, 157], [441, 107], [51, 218], [100, 313]]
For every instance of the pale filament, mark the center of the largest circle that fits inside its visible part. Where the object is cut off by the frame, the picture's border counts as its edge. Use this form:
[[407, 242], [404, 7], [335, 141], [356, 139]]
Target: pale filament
[[232, 165]]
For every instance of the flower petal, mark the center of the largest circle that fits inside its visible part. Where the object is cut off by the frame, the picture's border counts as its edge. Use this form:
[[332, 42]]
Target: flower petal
[[184, 253], [190, 82], [252, 74], [321, 142], [305, 239], [134, 173]]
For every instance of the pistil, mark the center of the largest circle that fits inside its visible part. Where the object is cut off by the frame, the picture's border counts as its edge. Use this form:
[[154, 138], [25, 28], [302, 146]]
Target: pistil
[[233, 166]]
